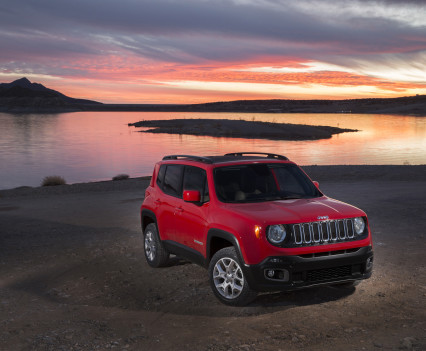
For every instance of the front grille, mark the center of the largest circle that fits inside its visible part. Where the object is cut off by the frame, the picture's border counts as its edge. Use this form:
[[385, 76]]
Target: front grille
[[328, 274], [324, 232]]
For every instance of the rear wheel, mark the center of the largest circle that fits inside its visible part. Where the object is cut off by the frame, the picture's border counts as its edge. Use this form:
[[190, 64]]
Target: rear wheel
[[155, 253], [227, 279]]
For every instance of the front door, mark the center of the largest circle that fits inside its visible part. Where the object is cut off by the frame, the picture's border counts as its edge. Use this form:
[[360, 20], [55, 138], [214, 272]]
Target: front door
[[191, 224]]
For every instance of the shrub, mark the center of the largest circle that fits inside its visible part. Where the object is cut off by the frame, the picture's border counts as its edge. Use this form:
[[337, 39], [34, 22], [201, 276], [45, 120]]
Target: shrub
[[121, 177], [53, 180]]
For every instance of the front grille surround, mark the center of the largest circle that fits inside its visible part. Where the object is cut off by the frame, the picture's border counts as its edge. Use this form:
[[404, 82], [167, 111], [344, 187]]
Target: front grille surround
[[322, 233]]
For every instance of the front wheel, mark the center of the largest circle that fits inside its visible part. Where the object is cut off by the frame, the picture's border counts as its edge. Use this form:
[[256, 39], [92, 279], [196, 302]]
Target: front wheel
[[155, 253], [227, 279]]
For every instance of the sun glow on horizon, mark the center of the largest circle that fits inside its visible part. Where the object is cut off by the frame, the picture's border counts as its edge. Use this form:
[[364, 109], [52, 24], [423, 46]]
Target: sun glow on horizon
[[191, 84]]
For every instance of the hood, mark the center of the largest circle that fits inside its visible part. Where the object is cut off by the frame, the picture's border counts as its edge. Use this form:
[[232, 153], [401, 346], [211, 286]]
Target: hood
[[296, 211]]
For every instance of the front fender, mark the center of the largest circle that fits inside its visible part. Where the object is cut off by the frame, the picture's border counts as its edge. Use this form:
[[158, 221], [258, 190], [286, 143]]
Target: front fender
[[219, 233]]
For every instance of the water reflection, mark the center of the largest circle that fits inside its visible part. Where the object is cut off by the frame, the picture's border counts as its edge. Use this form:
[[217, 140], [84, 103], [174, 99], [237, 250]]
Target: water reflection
[[87, 146]]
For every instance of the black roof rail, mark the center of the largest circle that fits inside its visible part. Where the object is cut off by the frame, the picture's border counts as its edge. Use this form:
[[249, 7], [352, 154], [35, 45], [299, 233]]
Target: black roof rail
[[268, 155], [188, 157]]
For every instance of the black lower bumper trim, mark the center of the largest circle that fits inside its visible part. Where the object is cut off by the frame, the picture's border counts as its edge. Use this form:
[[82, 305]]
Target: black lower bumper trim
[[295, 272]]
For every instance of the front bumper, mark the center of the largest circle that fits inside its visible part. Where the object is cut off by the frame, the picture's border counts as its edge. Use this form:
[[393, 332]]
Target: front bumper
[[295, 272]]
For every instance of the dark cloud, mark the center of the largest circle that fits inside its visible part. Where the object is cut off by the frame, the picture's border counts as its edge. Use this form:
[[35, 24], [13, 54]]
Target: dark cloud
[[196, 30], [40, 45]]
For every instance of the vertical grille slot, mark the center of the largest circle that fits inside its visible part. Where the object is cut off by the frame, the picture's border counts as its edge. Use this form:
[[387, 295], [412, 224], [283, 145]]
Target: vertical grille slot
[[325, 231], [297, 233], [316, 232], [307, 235], [342, 230], [333, 230], [350, 228]]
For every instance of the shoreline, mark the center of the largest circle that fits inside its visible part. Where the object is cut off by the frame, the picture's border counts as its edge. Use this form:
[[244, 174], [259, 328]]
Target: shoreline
[[336, 173], [404, 105]]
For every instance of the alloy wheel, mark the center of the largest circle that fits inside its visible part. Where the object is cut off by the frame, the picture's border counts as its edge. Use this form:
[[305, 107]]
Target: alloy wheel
[[228, 278]]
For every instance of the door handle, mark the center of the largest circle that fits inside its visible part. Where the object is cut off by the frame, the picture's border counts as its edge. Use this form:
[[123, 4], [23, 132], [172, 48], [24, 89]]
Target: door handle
[[178, 209]]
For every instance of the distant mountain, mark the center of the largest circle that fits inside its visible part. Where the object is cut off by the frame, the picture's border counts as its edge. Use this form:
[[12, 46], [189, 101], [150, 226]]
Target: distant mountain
[[23, 96]]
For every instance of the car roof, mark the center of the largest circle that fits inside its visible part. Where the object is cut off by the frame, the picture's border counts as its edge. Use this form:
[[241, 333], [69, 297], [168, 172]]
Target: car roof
[[230, 157]]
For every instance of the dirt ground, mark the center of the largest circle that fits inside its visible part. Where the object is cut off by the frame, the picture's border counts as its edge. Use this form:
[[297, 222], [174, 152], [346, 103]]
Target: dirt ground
[[73, 277]]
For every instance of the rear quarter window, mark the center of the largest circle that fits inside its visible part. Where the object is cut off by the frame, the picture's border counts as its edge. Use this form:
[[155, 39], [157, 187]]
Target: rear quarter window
[[171, 182], [160, 176]]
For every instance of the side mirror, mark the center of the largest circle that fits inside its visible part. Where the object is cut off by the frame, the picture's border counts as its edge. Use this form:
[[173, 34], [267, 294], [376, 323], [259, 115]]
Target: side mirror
[[316, 184], [191, 196]]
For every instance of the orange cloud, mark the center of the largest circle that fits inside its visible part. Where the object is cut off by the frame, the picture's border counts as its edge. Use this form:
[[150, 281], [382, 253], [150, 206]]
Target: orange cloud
[[119, 79]]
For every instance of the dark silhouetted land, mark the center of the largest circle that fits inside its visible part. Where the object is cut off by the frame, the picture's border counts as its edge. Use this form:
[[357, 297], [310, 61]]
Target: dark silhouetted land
[[22, 96], [240, 129]]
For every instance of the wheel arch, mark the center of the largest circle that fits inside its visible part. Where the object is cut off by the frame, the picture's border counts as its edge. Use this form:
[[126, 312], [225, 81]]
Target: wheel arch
[[218, 239], [147, 217]]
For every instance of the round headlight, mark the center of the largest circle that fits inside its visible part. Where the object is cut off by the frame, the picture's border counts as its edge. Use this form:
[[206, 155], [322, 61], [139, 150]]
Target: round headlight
[[276, 234], [359, 225]]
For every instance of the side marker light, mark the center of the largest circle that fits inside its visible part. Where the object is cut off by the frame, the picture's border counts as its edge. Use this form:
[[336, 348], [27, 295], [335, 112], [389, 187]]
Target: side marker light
[[257, 231]]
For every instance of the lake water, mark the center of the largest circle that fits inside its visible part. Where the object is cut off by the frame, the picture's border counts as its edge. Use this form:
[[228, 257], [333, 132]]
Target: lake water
[[89, 146]]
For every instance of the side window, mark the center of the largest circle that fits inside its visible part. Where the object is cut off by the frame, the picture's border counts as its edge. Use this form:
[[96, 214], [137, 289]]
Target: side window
[[196, 179], [160, 176], [173, 180]]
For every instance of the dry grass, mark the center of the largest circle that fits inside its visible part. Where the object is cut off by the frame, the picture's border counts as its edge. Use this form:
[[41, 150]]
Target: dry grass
[[121, 177], [53, 180]]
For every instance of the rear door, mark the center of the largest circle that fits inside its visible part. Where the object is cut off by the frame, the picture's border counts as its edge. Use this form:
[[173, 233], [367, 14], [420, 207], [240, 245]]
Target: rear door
[[168, 199]]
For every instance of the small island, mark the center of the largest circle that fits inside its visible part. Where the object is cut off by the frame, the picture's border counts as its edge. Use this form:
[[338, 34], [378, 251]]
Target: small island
[[240, 129]]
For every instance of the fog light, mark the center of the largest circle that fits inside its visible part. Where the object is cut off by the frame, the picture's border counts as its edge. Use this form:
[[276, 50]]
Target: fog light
[[369, 263], [277, 274], [270, 273]]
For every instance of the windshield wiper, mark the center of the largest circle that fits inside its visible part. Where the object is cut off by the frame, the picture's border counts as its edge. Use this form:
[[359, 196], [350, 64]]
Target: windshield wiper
[[291, 197]]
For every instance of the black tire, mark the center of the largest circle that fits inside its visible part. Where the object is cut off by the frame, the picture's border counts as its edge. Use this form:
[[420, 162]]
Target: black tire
[[155, 253], [227, 279]]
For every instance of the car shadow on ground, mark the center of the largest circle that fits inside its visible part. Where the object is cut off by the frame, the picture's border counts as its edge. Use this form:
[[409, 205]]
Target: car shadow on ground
[[108, 282], [304, 297], [81, 265]]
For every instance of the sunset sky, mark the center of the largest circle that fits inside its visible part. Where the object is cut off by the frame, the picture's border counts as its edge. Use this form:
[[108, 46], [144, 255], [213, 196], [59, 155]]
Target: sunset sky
[[193, 51]]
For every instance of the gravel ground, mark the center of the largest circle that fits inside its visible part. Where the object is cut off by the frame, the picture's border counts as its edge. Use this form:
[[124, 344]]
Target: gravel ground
[[73, 276]]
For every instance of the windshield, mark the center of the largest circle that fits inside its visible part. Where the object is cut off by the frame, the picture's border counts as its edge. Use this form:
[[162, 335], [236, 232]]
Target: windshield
[[263, 182]]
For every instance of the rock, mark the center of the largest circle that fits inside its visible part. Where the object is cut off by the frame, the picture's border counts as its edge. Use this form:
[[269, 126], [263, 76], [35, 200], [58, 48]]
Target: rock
[[407, 343]]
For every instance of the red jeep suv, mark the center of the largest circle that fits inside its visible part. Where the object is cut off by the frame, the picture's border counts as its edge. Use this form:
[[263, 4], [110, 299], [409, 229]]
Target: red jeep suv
[[256, 221]]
